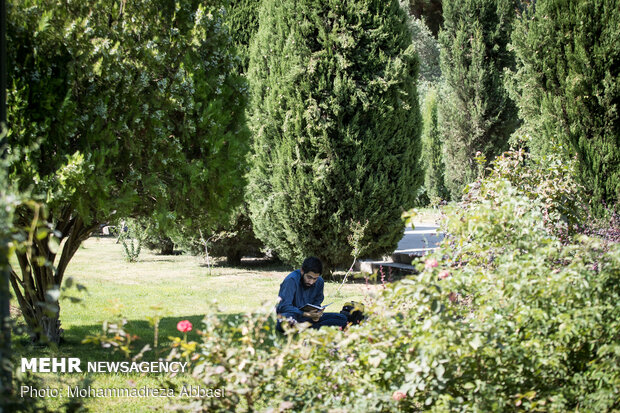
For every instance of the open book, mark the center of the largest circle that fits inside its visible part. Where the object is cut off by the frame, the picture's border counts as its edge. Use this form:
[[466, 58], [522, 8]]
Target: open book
[[312, 307]]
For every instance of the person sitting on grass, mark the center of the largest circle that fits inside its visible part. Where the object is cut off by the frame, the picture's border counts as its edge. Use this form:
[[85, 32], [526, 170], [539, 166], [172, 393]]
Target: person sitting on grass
[[301, 287]]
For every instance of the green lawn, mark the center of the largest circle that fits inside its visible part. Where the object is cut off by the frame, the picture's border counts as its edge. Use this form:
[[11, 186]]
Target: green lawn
[[181, 287]]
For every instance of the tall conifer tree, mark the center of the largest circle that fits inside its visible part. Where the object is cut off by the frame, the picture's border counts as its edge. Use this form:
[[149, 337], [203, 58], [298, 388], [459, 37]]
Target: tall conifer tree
[[335, 116], [476, 113], [432, 150], [567, 86], [242, 23]]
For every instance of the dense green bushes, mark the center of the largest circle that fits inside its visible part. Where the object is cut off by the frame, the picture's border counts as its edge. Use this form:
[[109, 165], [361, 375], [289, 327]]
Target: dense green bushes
[[475, 111], [334, 112], [567, 86], [242, 22], [504, 317], [548, 179], [532, 326]]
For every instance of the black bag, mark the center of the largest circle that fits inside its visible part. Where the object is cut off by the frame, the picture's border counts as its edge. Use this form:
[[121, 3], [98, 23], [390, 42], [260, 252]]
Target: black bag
[[354, 312]]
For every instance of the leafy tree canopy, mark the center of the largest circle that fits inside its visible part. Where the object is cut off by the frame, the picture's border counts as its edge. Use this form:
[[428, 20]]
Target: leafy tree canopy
[[119, 109]]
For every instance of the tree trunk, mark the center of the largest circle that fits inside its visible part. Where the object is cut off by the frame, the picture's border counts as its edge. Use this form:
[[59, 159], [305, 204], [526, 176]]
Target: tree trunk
[[5, 326], [5, 329], [167, 246], [234, 258], [37, 288]]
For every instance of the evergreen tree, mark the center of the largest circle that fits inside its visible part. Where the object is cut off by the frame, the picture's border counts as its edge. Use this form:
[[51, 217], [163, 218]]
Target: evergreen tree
[[242, 23], [335, 117], [567, 86], [427, 49], [432, 155], [475, 111], [428, 10]]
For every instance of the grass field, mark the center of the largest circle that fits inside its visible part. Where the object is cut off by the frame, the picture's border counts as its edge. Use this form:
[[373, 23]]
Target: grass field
[[172, 287]]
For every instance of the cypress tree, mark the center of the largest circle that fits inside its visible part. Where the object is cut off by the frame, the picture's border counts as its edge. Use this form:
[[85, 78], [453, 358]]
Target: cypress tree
[[428, 10], [242, 23], [476, 113], [567, 86], [335, 117], [432, 156], [427, 49]]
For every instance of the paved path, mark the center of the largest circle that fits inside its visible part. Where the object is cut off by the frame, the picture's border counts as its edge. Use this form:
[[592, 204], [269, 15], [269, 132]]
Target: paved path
[[422, 238], [415, 242]]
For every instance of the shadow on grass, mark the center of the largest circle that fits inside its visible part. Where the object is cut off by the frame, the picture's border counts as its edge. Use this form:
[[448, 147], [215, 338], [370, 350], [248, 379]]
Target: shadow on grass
[[252, 264], [72, 346], [158, 259]]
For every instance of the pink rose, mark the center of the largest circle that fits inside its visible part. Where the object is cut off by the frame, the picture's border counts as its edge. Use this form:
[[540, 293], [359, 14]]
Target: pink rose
[[444, 274], [184, 326], [430, 263], [398, 395]]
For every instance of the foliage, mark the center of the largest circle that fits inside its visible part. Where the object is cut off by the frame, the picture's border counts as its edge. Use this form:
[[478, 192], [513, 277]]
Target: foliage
[[159, 241], [504, 317], [567, 86], [232, 238], [156, 237], [432, 153], [8, 201], [242, 22], [427, 49], [334, 112], [534, 334], [606, 227], [475, 111], [430, 11], [248, 370], [235, 238], [132, 236], [548, 179], [112, 117]]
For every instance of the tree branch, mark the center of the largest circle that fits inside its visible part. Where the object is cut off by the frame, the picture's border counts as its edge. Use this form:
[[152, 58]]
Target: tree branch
[[78, 234]]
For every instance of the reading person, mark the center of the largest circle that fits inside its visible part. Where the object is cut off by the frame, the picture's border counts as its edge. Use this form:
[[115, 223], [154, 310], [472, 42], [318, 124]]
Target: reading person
[[303, 287]]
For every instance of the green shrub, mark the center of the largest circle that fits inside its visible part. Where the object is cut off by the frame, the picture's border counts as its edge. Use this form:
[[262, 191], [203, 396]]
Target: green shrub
[[242, 22], [334, 112], [132, 235], [159, 241], [566, 85], [232, 238], [538, 333], [506, 316], [548, 179], [235, 238], [475, 111], [427, 49]]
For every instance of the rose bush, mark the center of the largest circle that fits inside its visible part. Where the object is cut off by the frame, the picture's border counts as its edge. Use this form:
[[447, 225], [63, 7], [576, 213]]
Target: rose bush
[[537, 333], [508, 315]]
